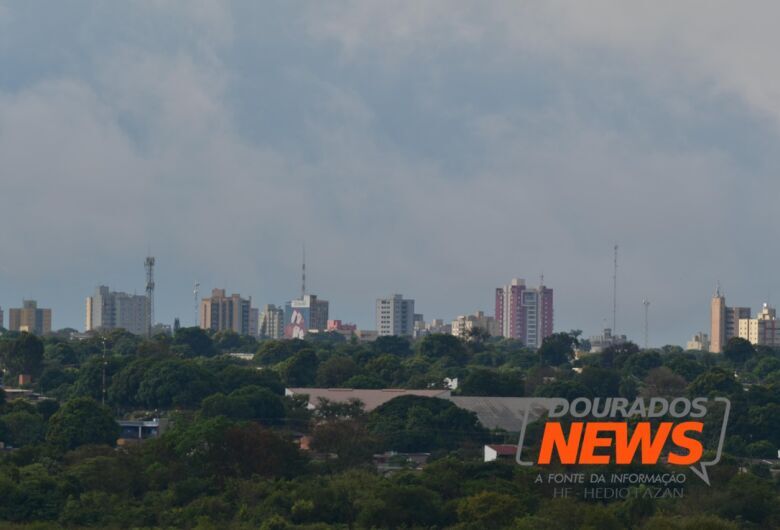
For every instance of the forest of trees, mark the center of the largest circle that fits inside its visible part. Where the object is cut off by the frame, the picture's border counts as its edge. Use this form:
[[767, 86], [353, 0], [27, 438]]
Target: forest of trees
[[230, 457]]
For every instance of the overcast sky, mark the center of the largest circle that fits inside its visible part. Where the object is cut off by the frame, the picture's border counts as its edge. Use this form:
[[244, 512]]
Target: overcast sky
[[436, 149]]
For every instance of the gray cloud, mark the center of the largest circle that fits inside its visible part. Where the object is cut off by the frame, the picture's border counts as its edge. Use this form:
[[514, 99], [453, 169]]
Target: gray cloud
[[435, 149]]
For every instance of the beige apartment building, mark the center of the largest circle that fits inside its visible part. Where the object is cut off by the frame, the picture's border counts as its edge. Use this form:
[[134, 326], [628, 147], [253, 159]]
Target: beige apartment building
[[30, 318], [762, 330], [221, 313], [724, 322], [464, 324]]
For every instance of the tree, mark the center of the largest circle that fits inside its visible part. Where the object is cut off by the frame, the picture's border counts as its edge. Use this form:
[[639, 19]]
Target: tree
[[272, 352], [414, 423], [23, 355], [601, 382], [393, 345], [23, 428], [175, 383], [557, 349], [218, 447], [489, 510], [335, 371], [566, 389], [485, 382], [616, 355], [348, 439], [715, 381], [439, 346], [662, 382], [301, 369], [82, 421], [194, 342], [738, 350], [684, 364], [233, 377]]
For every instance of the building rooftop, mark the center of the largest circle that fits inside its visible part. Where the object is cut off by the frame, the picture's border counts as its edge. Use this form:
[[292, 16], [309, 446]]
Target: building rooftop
[[507, 413], [371, 399]]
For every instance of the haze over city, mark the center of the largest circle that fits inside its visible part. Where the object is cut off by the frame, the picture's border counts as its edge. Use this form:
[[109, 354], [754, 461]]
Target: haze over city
[[438, 154]]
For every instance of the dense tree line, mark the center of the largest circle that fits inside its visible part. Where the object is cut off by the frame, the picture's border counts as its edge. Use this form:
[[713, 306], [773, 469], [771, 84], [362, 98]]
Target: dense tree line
[[231, 457]]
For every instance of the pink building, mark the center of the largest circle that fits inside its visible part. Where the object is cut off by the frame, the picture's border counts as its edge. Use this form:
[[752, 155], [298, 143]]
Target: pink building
[[523, 313], [338, 325]]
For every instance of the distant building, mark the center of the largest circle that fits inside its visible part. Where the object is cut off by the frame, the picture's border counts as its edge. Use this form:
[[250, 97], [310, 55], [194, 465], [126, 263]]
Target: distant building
[[598, 343], [136, 431], [724, 321], [271, 322], [523, 313], [29, 318], [762, 330], [254, 321], [495, 452], [226, 313], [700, 342], [437, 326], [342, 328], [304, 314], [366, 335], [1, 318], [107, 310], [370, 399], [395, 316], [464, 324]]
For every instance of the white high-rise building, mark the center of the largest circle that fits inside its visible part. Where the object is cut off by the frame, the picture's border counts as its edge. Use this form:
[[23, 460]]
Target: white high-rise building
[[395, 316], [271, 322], [108, 310]]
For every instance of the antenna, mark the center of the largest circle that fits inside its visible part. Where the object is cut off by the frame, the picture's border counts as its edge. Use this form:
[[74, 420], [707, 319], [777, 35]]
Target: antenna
[[303, 273], [149, 264], [195, 293], [103, 386], [541, 280], [646, 303], [614, 293]]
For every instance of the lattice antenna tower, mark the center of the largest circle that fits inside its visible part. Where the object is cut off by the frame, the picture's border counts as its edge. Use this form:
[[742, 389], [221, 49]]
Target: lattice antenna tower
[[149, 264]]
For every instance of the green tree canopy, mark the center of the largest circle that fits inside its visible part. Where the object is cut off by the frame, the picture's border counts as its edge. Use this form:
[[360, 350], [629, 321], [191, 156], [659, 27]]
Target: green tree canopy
[[557, 349], [414, 423], [82, 421]]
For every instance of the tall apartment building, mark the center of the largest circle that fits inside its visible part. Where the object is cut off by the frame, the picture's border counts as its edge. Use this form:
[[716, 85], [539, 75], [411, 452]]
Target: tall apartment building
[[523, 313], [762, 330], [106, 310], [395, 316], [304, 314], [271, 322], [226, 313], [724, 322], [1, 318], [29, 318], [464, 324]]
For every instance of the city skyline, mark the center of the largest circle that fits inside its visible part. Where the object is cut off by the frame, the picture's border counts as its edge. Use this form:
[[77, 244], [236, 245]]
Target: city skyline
[[254, 314], [424, 155]]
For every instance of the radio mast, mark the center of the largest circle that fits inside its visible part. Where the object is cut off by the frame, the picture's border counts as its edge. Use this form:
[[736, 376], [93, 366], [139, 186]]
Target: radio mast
[[149, 264]]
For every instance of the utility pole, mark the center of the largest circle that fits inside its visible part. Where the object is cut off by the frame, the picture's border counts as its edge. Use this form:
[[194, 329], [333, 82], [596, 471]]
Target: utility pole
[[303, 273], [105, 362], [614, 292], [195, 293], [646, 303]]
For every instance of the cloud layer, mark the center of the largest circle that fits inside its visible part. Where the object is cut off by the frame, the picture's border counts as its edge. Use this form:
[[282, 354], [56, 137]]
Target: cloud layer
[[434, 149]]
